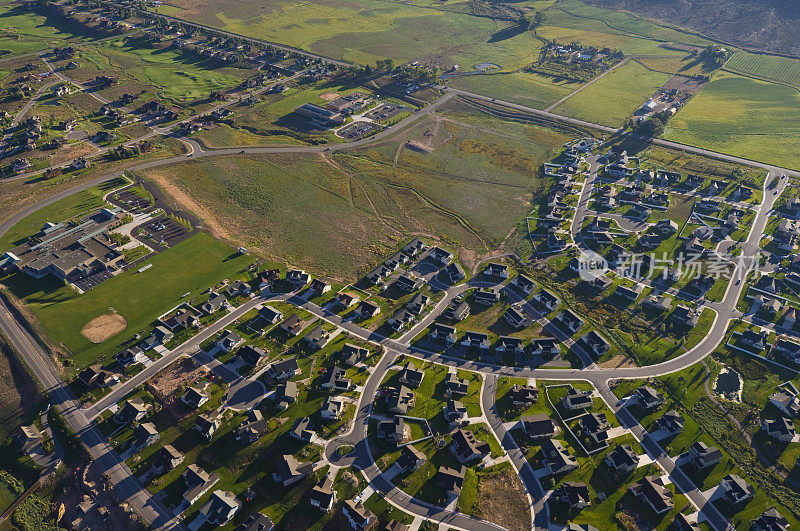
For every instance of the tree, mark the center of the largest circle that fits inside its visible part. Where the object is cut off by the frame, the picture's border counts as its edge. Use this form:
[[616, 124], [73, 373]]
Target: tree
[[384, 65], [531, 21], [649, 128]]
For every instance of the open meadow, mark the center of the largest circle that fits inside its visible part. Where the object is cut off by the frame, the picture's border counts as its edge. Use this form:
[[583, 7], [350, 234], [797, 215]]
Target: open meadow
[[745, 117], [465, 184]]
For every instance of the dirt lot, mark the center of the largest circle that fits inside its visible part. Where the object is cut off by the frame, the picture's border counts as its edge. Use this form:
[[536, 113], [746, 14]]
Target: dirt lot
[[501, 500], [329, 96], [101, 328], [168, 380], [617, 362]]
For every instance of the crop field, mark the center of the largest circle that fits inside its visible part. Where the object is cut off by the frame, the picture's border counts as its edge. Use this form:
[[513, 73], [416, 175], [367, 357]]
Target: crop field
[[341, 216], [621, 92], [744, 117], [769, 67], [22, 31], [139, 297]]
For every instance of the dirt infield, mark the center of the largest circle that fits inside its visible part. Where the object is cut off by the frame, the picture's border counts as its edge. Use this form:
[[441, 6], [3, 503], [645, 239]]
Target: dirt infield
[[101, 328], [329, 96]]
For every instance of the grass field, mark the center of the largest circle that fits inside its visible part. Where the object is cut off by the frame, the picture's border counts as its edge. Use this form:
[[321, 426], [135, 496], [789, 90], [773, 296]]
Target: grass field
[[523, 88], [769, 67], [340, 216], [745, 117], [139, 297], [22, 31], [621, 92]]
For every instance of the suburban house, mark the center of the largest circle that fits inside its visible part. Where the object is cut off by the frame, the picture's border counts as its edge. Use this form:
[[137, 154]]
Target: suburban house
[[514, 317], [570, 320], [455, 386], [576, 400], [411, 376], [359, 517], [410, 459], [194, 398], [648, 398], [130, 356], [735, 489], [237, 288], [132, 411], [786, 403], [574, 494], [302, 430], [538, 426], [317, 338], [145, 435], [392, 430], [319, 287], [400, 400], [270, 315], [671, 422], [451, 479], [557, 457], [407, 283], [496, 271], [297, 278], [544, 346], [622, 459], [367, 310], [214, 303], [353, 354], [206, 426], [439, 256], [467, 448], [780, 428], [453, 273], [285, 395], [510, 344], [596, 344], [252, 429], [332, 408], [167, 458], [413, 248], [455, 412], [754, 340], [704, 456], [523, 396], [322, 496], [160, 336], [293, 325], [93, 376], [477, 340], [523, 284], [197, 482], [334, 379], [456, 311], [651, 491], [229, 340], [251, 355], [289, 470], [401, 319], [595, 426], [770, 520], [440, 332], [346, 300], [284, 369], [486, 296], [546, 299]]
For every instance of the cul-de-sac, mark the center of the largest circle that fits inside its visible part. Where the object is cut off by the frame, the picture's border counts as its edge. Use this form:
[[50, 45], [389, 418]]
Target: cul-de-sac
[[473, 265]]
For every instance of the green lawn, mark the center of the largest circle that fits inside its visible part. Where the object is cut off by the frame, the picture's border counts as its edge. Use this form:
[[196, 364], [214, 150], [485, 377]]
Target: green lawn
[[741, 116], [139, 297], [23, 31]]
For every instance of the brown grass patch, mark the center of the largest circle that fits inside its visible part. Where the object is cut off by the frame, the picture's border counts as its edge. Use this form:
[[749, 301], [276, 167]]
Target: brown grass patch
[[329, 96], [502, 500], [101, 328], [617, 362]]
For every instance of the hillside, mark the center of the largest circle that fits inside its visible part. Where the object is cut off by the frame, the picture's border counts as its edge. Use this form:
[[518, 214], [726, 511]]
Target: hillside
[[769, 25]]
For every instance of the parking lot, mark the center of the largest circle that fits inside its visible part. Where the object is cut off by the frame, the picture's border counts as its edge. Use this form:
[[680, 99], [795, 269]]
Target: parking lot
[[384, 112], [162, 232], [92, 281], [358, 130]]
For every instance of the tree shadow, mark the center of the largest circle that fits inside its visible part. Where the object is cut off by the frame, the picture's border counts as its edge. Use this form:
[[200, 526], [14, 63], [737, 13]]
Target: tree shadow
[[506, 33]]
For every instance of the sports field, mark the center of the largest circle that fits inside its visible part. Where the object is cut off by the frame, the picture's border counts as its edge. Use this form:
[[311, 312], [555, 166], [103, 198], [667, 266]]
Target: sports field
[[769, 67], [744, 117], [191, 266], [613, 99]]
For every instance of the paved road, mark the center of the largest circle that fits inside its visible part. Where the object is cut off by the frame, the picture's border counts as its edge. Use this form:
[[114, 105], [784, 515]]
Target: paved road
[[127, 487]]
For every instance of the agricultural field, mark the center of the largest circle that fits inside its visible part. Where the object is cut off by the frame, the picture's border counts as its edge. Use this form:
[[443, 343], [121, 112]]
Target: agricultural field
[[622, 92], [768, 67], [339, 216], [741, 116], [523, 88]]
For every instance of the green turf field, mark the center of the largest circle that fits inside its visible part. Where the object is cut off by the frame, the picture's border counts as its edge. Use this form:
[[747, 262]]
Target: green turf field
[[613, 99], [769, 67], [744, 117], [22, 31]]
